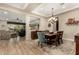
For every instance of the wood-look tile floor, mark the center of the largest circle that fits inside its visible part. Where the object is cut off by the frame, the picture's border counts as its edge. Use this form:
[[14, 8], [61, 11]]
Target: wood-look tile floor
[[22, 47], [19, 48]]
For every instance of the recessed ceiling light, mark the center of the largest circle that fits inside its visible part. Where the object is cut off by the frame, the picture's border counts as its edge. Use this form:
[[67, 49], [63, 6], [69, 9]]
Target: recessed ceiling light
[[5, 12], [6, 18], [62, 5]]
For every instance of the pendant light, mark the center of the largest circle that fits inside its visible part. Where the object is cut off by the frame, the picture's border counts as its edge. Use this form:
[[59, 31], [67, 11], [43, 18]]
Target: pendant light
[[52, 19]]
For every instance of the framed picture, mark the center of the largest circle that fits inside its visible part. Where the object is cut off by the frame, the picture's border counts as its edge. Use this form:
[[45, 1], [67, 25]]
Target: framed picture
[[34, 23], [72, 21]]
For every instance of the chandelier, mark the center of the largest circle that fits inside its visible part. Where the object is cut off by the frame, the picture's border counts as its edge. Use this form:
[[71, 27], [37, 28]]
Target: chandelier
[[52, 19]]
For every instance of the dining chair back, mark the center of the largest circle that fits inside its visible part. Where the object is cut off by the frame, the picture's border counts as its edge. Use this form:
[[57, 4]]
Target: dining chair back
[[54, 39], [41, 38], [60, 36]]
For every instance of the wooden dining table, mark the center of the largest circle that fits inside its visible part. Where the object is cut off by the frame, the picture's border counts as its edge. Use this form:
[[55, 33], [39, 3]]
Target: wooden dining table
[[50, 36]]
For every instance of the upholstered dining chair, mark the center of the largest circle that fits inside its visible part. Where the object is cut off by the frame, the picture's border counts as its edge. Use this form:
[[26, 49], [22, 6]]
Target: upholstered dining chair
[[41, 38], [60, 36], [46, 31]]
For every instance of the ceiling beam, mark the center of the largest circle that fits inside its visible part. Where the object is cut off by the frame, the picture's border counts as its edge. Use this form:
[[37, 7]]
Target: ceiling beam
[[32, 6], [16, 10], [26, 5]]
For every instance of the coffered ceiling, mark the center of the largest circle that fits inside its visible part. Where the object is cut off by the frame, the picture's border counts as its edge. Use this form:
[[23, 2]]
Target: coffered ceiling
[[42, 9], [18, 5], [58, 8]]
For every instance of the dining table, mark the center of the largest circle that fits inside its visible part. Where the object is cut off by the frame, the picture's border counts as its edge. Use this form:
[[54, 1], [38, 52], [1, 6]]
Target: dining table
[[51, 37]]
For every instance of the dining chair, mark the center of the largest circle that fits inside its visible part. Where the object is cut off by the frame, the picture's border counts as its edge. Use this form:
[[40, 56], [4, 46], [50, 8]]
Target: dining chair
[[54, 39], [41, 38], [60, 36], [47, 31]]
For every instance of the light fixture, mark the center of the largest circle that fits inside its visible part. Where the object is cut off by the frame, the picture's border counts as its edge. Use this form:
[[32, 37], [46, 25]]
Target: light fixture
[[5, 12], [17, 19], [6, 19], [63, 6], [52, 19]]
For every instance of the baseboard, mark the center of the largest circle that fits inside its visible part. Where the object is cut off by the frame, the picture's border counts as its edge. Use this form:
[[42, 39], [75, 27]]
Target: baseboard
[[68, 39]]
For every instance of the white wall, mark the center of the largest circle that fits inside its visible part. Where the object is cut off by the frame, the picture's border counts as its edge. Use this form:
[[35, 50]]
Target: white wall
[[69, 30]]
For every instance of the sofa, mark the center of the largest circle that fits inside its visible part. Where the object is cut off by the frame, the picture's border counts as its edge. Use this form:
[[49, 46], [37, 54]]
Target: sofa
[[5, 35]]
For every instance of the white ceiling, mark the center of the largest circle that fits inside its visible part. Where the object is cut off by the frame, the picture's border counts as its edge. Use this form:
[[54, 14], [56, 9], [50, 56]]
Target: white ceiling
[[18, 5], [44, 9], [34, 18], [10, 16]]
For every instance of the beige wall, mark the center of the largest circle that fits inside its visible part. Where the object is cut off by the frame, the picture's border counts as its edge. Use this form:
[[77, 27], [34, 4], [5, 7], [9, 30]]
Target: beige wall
[[3, 25], [43, 25], [69, 30], [28, 32]]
